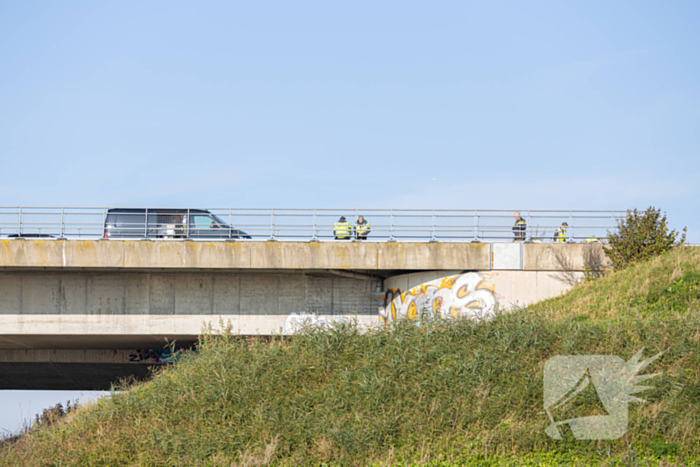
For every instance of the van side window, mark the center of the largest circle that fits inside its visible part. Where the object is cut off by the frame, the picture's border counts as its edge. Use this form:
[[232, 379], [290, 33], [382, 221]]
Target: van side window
[[201, 222], [168, 219], [129, 221]]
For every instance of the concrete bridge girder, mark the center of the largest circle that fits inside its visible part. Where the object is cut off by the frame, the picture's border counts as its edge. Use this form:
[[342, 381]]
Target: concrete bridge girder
[[85, 303]]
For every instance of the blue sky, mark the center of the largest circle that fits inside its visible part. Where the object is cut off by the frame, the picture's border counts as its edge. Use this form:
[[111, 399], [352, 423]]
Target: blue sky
[[463, 104]]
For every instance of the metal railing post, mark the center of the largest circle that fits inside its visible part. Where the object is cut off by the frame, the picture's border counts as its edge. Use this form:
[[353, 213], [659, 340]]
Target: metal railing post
[[19, 226], [476, 226], [230, 225], [571, 225], [145, 223], [315, 237], [528, 226], [391, 225], [432, 237], [272, 224], [62, 222], [352, 229]]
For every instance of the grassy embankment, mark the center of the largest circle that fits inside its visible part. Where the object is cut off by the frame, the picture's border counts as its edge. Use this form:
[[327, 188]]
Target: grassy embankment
[[461, 393]]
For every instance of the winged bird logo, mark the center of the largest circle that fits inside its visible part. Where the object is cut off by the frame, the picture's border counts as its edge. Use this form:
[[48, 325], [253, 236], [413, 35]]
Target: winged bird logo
[[597, 388]]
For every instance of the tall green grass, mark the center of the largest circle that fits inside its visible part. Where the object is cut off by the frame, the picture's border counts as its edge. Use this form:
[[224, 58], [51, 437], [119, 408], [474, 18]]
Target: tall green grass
[[666, 282], [446, 393]]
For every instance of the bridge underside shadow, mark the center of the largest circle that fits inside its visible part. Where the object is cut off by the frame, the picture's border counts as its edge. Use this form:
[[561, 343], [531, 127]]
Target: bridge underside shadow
[[69, 376], [80, 369]]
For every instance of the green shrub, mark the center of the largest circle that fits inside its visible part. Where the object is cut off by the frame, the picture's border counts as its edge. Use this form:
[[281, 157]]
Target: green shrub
[[659, 448], [641, 235]]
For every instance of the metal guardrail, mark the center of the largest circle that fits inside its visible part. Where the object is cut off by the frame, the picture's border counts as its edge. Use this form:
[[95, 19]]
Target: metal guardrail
[[443, 225]]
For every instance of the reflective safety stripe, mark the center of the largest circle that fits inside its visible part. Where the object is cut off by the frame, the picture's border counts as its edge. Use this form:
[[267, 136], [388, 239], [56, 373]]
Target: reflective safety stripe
[[342, 229], [362, 228], [520, 222], [561, 234], [593, 240]]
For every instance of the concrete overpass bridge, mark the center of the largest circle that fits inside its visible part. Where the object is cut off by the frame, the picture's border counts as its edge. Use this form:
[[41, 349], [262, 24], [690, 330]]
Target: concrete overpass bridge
[[75, 314], [78, 310]]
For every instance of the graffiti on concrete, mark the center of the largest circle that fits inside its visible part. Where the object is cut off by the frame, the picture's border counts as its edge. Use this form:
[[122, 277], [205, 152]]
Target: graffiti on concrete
[[298, 321], [156, 357], [463, 295]]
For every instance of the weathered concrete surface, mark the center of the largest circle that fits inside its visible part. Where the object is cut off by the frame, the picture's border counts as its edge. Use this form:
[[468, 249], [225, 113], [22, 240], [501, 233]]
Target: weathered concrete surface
[[108, 293], [422, 256], [507, 256], [113, 254], [522, 288], [142, 331], [133, 308], [542, 256], [109, 254]]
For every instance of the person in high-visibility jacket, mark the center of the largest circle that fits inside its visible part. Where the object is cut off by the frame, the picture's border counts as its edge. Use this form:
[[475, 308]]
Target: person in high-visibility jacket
[[593, 239], [519, 228], [560, 233], [361, 228], [342, 229]]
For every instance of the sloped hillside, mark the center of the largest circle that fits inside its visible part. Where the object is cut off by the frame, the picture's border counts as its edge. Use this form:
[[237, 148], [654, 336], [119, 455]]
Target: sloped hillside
[[666, 283]]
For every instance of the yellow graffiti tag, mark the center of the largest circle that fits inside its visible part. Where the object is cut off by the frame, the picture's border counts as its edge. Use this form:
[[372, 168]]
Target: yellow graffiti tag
[[447, 283], [437, 304], [463, 291], [412, 311]]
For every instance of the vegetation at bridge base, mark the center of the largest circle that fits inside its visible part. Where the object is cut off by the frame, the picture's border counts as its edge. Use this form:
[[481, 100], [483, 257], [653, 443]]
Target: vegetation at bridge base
[[444, 394], [657, 286], [641, 235]]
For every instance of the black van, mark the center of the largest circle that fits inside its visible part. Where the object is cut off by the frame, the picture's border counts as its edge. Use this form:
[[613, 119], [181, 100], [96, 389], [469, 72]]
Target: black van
[[167, 223]]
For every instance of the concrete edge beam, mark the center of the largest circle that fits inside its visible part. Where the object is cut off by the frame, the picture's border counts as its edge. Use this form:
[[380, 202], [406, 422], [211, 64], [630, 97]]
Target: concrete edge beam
[[16, 253]]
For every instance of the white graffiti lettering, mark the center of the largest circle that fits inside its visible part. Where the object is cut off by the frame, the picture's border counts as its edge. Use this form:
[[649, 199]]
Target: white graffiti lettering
[[297, 321], [464, 295]]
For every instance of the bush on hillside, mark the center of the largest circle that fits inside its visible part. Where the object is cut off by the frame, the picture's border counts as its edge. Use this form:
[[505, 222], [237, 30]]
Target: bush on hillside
[[641, 235], [54, 413]]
